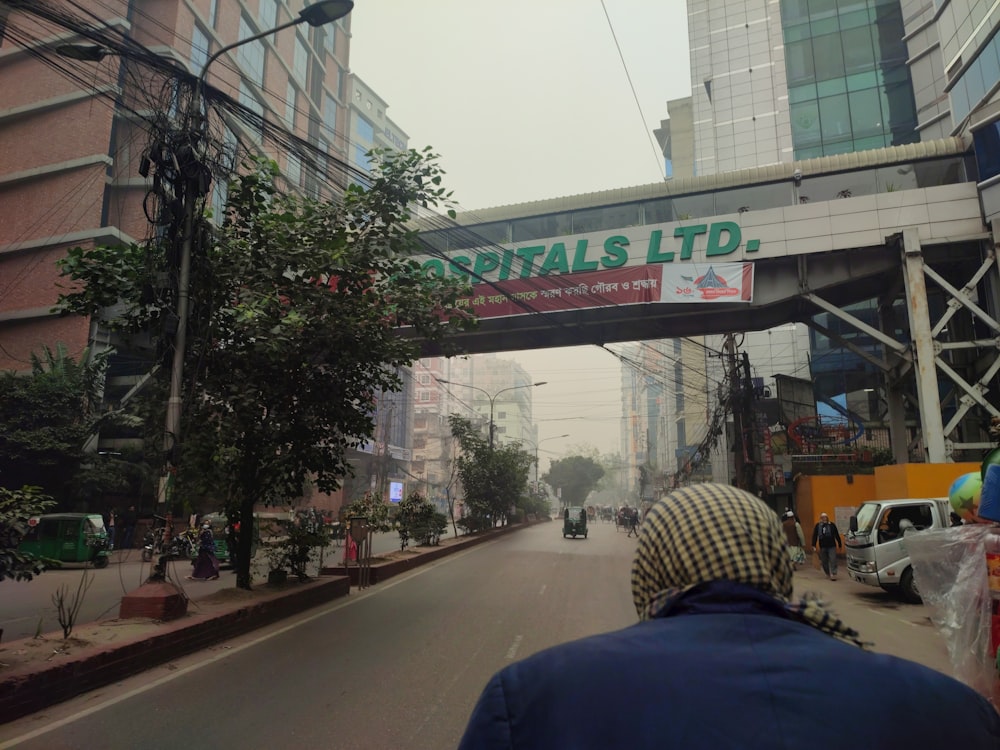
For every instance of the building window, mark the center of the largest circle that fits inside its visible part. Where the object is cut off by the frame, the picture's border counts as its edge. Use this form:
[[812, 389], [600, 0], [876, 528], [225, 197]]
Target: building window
[[537, 227], [330, 39], [330, 113], [293, 170], [425, 395], [361, 160], [220, 193], [322, 162], [199, 49], [987, 142], [425, 379], [290, 95], [268, 14], [316, 82], [849, 87], [250, 56], [213, 12], [340, 83], [978, 79], [301, 62], [366, 131], [249, 100]]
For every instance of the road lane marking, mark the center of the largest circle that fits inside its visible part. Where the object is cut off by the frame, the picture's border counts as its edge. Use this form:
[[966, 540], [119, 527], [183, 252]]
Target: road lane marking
[[542, 591], [512, 651]]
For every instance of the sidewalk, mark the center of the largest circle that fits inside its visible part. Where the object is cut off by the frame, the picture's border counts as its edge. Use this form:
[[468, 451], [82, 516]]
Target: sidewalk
[[40, 672]]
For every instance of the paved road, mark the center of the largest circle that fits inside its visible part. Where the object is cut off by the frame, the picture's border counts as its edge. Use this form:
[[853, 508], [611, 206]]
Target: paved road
[[401, 664], [26, 608]]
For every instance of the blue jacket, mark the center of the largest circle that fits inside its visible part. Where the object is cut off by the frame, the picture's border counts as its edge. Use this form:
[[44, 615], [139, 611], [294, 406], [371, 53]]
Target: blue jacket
[[726, 669]]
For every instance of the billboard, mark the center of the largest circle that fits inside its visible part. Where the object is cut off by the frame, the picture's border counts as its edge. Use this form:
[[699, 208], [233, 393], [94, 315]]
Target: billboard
[[395, 491]]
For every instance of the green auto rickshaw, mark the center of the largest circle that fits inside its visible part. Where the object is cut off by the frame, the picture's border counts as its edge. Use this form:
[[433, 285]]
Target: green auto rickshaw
[[67, 538], [575, 522]]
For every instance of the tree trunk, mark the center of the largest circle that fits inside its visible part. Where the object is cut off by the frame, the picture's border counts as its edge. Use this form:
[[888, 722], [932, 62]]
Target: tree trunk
[[245, 543]]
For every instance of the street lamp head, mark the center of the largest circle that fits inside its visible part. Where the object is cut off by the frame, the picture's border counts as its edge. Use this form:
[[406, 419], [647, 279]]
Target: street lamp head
[[325, 11], [85, 52], [541, 382]]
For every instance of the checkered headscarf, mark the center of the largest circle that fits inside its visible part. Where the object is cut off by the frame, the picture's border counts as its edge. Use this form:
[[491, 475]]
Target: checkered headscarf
[[710, 532]]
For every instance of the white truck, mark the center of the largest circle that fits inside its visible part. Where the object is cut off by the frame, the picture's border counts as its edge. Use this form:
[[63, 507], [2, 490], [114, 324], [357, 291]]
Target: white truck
[[876, 543]]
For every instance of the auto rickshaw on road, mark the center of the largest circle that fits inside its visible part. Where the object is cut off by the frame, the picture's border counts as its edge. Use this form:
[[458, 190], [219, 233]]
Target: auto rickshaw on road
[[67, 538], [575, 522]]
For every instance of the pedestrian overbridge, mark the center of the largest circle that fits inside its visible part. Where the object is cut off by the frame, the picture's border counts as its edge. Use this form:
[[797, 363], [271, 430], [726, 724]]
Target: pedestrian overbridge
[[750, 250]]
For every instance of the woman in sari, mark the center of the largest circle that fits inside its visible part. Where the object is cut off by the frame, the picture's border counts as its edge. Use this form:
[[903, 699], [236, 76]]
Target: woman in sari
[[206, 565]]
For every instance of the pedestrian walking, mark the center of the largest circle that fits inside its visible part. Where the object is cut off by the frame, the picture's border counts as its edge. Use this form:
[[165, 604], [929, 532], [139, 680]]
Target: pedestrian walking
[[111, 528], [206, 564], [633, 521], [795, 538], [129, 519], [828, 538], [721, 658]]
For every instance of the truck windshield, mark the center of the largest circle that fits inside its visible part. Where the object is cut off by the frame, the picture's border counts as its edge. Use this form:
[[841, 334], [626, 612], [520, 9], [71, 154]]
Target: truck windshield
[[867, 514]]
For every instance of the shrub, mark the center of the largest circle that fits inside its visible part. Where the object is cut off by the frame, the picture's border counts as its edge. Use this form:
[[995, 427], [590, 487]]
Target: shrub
[[419, 521]]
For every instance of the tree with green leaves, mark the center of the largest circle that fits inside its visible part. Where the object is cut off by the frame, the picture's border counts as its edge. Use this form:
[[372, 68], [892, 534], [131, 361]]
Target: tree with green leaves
[[494, 478], [296, 306], [16, 507], [576, 476], [47, 418]]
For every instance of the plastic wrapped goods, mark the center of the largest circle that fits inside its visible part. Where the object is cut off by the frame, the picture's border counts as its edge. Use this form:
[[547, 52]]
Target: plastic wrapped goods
[[951, 573]]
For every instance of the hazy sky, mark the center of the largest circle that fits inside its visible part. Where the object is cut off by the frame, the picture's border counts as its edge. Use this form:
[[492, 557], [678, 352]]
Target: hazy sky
[[526, 100]]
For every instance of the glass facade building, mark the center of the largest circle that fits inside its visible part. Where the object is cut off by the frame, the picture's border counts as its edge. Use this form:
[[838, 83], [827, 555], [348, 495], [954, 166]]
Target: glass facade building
[[849, 87]]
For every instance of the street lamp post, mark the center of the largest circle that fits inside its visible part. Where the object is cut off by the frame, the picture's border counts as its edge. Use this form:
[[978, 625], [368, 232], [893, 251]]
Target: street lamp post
[[195, 182], [198, 182], [535, 446], [492, 397]]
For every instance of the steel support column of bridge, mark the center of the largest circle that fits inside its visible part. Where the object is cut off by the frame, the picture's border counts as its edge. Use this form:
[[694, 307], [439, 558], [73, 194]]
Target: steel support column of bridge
[[922, 347], [924, 356]]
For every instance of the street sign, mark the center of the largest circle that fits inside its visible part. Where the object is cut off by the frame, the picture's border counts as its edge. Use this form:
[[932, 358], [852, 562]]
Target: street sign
[[359, 529]]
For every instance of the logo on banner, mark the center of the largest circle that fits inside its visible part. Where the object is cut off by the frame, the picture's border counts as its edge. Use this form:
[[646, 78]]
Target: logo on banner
[[710, 286]]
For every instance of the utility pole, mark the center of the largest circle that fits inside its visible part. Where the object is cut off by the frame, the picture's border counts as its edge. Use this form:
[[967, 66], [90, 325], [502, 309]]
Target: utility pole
[[729, 348], [741, 398], [749, 430]]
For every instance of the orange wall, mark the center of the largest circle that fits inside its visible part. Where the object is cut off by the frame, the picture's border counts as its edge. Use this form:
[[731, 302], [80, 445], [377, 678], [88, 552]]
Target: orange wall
[[918, 480], [822, 494]]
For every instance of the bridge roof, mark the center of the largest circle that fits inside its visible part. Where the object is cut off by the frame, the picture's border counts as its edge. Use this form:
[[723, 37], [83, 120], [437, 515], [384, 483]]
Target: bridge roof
[[952, 146]]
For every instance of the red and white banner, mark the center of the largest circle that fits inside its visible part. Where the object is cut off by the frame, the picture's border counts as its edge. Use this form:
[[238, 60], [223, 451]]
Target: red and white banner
[[675, 283]]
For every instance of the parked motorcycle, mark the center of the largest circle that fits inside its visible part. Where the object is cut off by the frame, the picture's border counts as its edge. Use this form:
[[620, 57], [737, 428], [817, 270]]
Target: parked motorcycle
[[183, 545], [152, 544]]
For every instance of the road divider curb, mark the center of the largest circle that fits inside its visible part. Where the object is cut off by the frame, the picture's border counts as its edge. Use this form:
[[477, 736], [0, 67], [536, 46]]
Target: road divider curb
[[35, 686]]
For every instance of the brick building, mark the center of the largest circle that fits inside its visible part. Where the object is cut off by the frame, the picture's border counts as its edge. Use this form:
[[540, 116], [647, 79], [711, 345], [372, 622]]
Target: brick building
[[73, 132]]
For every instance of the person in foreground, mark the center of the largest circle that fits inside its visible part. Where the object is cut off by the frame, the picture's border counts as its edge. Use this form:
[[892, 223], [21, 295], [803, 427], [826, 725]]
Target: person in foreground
[[722, 658]]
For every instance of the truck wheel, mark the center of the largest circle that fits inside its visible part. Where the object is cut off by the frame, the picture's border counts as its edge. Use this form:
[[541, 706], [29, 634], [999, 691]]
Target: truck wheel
[[101, 561], [908, 588]]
